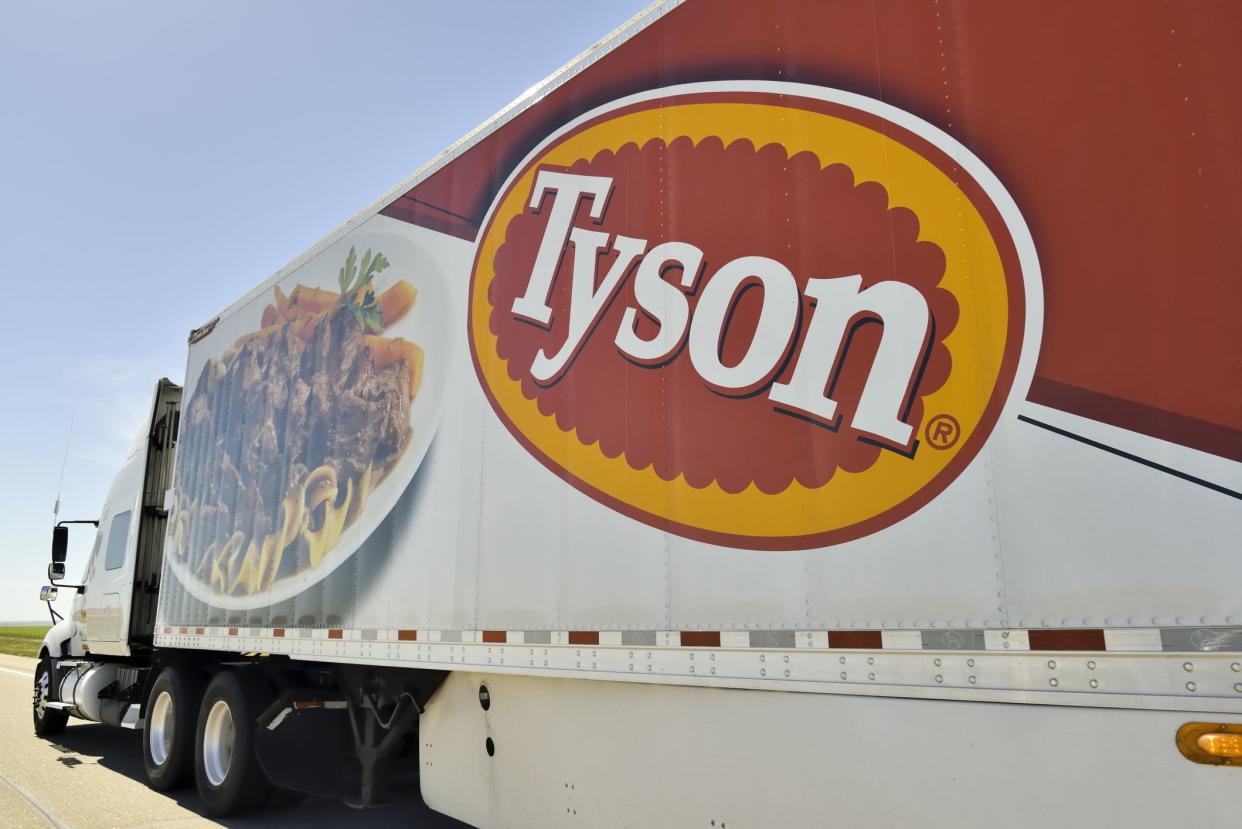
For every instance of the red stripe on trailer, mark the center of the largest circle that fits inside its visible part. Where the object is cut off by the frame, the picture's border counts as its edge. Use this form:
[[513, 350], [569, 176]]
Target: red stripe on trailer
[[700, 638], [200, 631], [584, 637], [1067, 640], [184, 630], [278, 632], [336, 633], [232, 631], [497, 636], [861, 639], [407, 636], [167, 630]]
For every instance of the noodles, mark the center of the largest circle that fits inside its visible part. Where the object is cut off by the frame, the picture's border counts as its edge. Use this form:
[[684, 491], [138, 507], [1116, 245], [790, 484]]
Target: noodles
[[311, 512]]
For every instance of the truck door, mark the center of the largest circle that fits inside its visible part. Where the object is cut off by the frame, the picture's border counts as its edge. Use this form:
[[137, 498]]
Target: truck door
[[108, 582]]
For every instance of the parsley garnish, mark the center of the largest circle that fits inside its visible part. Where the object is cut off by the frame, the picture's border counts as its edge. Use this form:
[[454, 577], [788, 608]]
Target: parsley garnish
[[357, 290]]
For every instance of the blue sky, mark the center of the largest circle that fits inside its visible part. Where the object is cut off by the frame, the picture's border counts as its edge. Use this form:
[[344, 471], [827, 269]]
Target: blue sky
[[158, 160]]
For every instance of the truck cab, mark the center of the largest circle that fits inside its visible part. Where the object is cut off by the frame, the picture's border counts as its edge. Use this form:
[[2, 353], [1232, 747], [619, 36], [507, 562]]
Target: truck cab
[[113, 612]]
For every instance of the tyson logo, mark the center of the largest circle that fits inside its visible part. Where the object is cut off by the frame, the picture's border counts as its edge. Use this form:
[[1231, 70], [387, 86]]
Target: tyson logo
[[760, 315]]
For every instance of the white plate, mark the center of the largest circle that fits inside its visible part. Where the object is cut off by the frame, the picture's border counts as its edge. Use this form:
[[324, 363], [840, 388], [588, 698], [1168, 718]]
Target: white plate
[[426, 325]]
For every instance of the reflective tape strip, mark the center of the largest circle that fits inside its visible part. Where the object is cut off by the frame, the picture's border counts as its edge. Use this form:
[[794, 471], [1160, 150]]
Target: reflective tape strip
[[1079, 640]]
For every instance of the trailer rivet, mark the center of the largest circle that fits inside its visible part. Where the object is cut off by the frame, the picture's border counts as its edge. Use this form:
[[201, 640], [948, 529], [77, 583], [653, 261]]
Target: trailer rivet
[[1237, 666], [786, 672], [1095, 683], [1006, 644], [691, 669], [843, 674], [1053, 682], [970, 663], [1090, 664], [1188, 666], [870, 660], [936, 662], [712, 657], [691, 657], [713, 670], [763, 672], [762, 658], [786, 657], [1052, 664], [939, 678], [971, 680], [1190, 686], [1237, 686], [842, 660], [870, 676]]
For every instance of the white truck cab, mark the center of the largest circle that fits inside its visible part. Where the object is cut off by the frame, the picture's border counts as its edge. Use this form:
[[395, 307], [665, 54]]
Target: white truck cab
[[113, 609]]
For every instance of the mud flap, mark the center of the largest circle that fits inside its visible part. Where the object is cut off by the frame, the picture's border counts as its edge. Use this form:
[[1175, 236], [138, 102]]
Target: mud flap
[[307, 749]]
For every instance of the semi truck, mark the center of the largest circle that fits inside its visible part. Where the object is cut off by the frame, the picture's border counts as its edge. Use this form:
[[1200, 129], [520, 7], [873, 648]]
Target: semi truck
[[786, 414]]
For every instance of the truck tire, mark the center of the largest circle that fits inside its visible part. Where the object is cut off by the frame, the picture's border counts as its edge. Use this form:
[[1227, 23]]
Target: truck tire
[[48, 722], [226, 767], [168, 733]]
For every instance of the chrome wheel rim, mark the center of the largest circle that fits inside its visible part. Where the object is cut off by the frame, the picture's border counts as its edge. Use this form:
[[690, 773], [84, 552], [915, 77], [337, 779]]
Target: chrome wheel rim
[[42, 681], [218, 738], [160, 728]]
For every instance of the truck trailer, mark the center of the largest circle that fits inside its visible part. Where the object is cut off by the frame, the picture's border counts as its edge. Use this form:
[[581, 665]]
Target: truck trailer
[[786, 414]]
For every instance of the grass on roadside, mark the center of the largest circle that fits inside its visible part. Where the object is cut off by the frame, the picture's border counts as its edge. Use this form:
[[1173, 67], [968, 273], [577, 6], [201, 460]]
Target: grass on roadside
[[21, 640]]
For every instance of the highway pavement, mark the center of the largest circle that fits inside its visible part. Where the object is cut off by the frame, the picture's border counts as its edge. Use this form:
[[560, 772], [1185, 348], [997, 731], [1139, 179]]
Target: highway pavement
[[91, 777]]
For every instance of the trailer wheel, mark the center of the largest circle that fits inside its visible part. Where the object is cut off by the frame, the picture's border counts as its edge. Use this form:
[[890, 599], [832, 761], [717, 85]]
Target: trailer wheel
[[226, 767], [168, 733], [47, 721]]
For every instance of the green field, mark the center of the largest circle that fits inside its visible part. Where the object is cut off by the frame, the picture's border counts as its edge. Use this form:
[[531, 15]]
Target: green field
[[21, 640]]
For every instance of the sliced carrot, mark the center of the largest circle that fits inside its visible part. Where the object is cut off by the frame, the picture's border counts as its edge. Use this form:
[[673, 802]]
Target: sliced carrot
[[282, 302], [313, 300], [397, 301], [386, 350], [262, 333]]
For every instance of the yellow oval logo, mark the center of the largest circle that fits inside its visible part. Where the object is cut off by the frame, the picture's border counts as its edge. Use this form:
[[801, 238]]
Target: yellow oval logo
[[759, 315]]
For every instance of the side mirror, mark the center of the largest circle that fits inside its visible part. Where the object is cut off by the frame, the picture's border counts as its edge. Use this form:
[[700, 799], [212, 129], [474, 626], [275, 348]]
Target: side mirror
[[55, 572], [47, 593], [60, 544]]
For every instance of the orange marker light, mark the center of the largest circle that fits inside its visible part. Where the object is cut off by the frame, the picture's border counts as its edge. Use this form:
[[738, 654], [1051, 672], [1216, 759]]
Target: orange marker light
[[1221, 745], [1213, 744]]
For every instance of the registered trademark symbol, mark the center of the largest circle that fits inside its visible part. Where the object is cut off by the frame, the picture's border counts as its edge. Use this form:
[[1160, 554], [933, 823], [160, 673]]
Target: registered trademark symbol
[[942, 431]]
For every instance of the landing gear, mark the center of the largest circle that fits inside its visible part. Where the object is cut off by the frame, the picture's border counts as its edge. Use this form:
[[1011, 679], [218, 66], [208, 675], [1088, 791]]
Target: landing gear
[[378, 733]]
